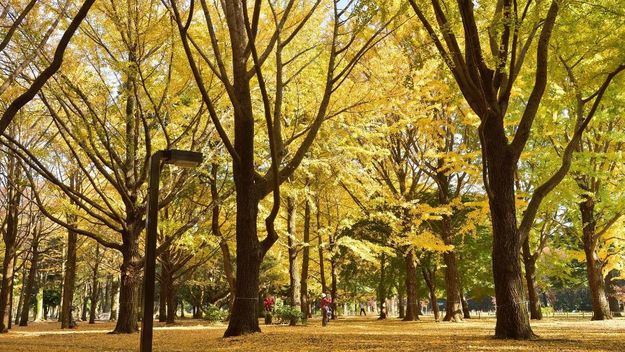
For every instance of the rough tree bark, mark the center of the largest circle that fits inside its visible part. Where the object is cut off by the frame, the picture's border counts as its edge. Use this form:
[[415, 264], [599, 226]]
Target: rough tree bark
[[594, 266], [429, 275], [529, 261], [381, 290], [613, 302], [294, 276], [9, 235], [114, 299], [411, 287], [31, 281], [95, 287], [69, 276], [305, 305]]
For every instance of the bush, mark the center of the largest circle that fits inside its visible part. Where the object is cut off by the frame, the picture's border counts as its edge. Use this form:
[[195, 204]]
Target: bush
[[213, 314], [546, 311], [287, 314]]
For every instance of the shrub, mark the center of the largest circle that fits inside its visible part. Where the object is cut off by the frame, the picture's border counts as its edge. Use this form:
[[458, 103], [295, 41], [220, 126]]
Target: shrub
[[546, 311], [287, 314], [213, 314]]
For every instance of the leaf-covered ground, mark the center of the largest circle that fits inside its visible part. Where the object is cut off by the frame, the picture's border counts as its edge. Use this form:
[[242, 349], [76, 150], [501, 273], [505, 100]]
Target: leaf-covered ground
[[356, 334]]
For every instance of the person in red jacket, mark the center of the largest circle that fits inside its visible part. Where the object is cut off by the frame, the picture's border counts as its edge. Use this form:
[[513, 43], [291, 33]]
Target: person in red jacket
[[269, 302], [326, 309]]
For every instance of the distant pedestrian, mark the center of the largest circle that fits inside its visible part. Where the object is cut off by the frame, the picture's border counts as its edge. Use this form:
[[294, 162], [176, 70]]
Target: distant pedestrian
[[268, 303], [326, 309], [362, 309]]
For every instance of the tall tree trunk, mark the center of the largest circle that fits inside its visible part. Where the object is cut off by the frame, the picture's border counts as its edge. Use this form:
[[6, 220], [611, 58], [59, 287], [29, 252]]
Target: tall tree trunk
[[381, 291], [20, 302], [9, 236], [512, 318], [172, 299], [39, 306], [466, 313], [69, 275], [453, 304], [529, 261], [429, 276], [11, 292], [216, 230], [400, 300], [85, 302], [32, 278], [411, 287], [245, 312], [615, 306], [600, 306], [106, 295], [129, 286], [162, 301], [322, 271], [114, 299], [244, 315], [95, 286], [69, 280], [333, 277], [294, 278], [305, 306]]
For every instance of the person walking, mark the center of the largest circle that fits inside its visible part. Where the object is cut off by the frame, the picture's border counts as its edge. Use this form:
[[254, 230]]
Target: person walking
[[326, 310], [362, 309], [269, 302]]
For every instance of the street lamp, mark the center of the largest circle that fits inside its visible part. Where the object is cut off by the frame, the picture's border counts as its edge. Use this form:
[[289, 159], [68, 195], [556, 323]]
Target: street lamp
[[181, 158]]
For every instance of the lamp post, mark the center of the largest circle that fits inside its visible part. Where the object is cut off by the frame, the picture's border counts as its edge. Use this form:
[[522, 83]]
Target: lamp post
[[181, 158]]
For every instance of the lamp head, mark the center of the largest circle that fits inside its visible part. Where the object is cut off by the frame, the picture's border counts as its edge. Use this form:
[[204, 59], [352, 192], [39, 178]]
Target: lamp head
[[183, 158]]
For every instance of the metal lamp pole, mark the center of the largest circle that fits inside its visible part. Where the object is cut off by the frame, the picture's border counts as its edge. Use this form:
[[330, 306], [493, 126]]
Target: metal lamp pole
[[182, 158]]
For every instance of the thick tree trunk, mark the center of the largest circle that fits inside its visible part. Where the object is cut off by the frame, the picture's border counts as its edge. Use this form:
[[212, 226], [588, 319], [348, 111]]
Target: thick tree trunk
[[615, 306], [400, 301], [162, 300], [216, 230], [596, 284], [334, 278], [39, 306], [69, 278], [7, 278], [529, 261], [453, 304], [129, 287], [114, 299], [9, 237], [95, 287], [305, 306], [465, 305], [381, 291], [244, 315], [512, 318], [429, 276], [11, 292], [172, 299], [322, 271], [20, 302], [30, 283], [411, 288], [249, 254], [85, 302], [294, 278]]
